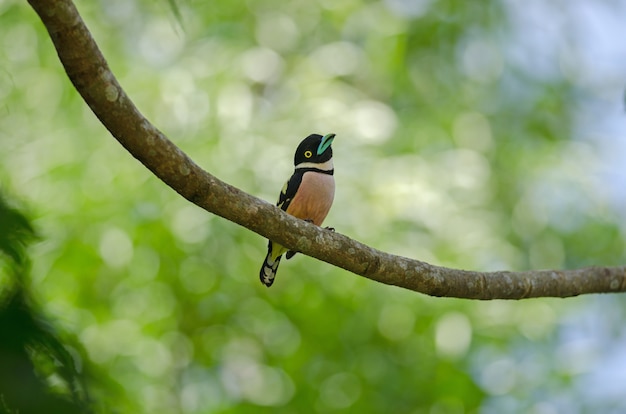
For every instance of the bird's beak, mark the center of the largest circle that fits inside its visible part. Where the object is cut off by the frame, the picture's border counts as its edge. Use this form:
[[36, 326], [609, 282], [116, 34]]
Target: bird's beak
[[327, 140]]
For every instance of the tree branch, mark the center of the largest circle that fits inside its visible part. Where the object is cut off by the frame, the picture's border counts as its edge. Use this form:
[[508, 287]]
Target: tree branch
[[90, 74]]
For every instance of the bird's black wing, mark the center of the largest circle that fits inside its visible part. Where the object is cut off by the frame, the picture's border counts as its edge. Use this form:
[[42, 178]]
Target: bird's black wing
[[287, 194], [289, 190]]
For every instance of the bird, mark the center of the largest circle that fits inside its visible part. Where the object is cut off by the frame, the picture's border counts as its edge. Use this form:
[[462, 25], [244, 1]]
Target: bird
[[307, 195]]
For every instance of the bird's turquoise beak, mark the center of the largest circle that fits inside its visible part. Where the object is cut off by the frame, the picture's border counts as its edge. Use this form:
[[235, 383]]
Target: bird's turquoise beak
[[327, 140]]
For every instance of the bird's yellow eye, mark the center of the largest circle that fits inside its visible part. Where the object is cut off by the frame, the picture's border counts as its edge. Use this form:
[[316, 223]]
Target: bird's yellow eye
[[308, 154]]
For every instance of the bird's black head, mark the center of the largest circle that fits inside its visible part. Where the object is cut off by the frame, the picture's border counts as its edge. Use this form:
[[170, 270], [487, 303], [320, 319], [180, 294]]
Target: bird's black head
[[315, 149]]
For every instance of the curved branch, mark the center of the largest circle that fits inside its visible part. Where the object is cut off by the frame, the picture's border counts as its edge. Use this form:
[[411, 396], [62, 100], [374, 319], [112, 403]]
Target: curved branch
[[90, 74]]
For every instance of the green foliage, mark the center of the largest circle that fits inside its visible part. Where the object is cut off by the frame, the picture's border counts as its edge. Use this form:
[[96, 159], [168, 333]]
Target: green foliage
[[37, 372], [16, 232], [28, 352], [460, 141]]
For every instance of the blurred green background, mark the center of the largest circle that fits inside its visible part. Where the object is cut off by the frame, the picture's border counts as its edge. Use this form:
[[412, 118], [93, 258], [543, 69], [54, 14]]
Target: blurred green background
[[477, 135]]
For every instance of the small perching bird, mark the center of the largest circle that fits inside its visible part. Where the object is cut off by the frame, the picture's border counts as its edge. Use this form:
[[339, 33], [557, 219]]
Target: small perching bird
[[307, 195]]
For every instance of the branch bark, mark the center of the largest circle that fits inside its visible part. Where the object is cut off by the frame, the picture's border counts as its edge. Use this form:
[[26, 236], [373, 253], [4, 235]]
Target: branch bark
[[92, 78]]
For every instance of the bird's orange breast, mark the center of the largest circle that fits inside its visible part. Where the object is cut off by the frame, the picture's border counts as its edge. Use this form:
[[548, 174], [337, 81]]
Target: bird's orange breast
[[314, 197]]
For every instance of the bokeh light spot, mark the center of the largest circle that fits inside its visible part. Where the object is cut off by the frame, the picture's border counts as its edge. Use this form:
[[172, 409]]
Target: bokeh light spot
[[116, 247], [373, 121], [340, 391], [453, 335], [261, 64], [396, 322]]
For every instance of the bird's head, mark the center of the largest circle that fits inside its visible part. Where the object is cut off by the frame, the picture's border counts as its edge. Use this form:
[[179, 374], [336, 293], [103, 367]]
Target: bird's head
[[315, 149]]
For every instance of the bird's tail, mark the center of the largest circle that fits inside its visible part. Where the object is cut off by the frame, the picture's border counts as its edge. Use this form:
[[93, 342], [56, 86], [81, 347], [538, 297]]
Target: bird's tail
[[270, 265]]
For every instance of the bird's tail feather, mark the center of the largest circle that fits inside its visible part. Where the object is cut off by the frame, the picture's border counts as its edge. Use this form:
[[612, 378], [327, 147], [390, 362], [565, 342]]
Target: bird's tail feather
[[269, 268]]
